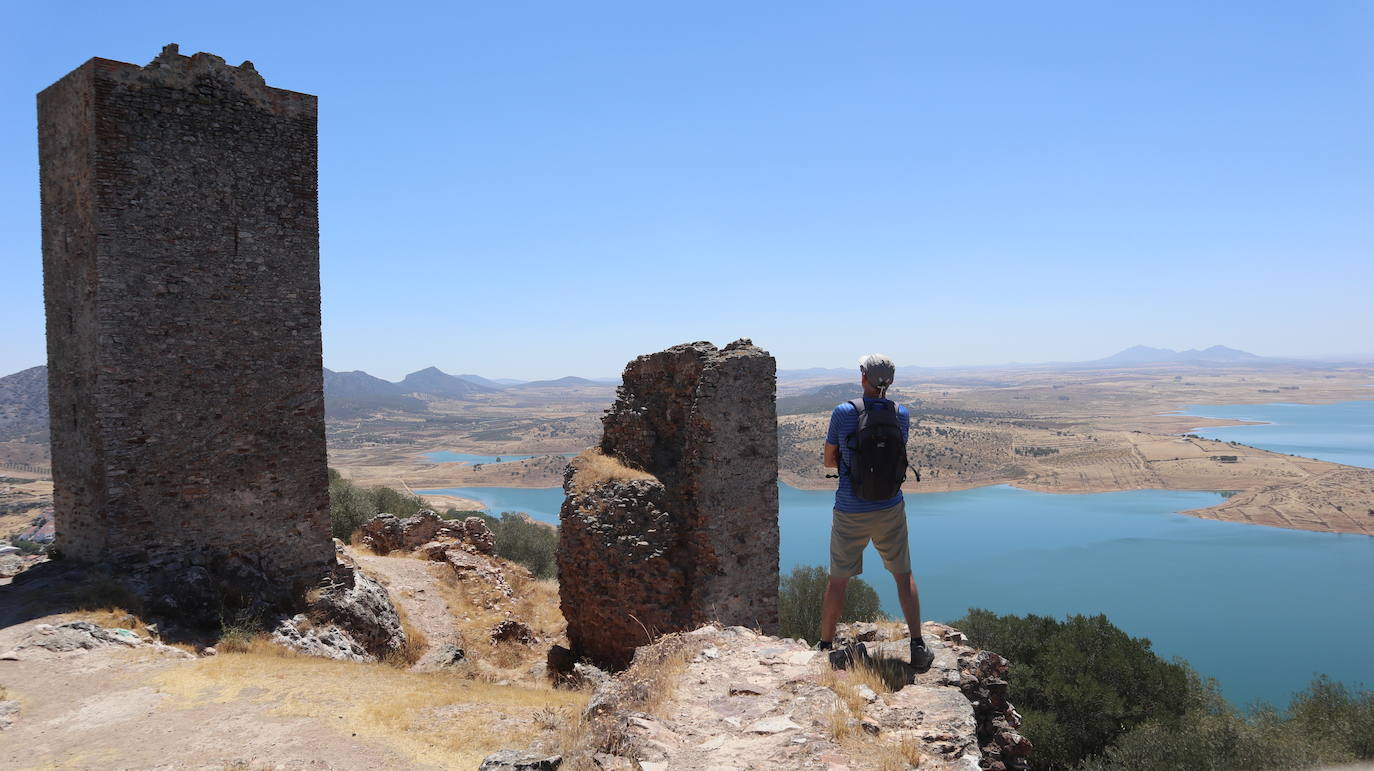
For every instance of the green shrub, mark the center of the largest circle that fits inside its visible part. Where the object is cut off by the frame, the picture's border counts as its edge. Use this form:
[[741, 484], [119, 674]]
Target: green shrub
[[350, 506], [1095, 699], [1329, 713], [800, 596], [25, 546], [465, 513], [528, 543], [1082, 682]]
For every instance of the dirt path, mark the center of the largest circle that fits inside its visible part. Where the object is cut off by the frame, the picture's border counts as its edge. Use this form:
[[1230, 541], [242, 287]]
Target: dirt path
[[410, 582]]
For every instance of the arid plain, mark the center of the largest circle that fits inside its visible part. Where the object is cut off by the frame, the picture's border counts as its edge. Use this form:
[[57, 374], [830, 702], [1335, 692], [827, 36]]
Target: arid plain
[[1056, 431]]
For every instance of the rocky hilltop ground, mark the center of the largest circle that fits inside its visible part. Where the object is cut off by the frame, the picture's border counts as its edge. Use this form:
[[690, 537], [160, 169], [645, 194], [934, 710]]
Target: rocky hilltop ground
[[731, 698], [85, 684]]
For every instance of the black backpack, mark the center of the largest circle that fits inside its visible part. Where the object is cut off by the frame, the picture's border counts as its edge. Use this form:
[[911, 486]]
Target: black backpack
[[877, 464]]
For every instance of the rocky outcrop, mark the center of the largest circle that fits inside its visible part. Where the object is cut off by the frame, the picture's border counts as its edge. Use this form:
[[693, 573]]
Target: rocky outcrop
[[350, 616], [386, 533], [79, 635], [11, 565], [732, 698], [692, 536], [511, 630]]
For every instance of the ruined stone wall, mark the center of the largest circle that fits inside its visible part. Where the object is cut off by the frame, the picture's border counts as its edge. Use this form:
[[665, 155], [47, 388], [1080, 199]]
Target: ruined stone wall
[[697, 543], [181, 278]]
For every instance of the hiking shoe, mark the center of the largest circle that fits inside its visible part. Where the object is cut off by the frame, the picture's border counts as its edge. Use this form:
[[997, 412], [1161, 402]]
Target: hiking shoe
[[848, 656], [921, 656]]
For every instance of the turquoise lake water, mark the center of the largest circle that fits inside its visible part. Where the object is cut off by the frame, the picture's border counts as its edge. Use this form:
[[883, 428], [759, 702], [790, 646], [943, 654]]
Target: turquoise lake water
[[1260, 609], [1340, 433]]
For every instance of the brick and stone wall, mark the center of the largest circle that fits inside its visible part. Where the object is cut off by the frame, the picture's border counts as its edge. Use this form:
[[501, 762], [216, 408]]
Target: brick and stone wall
[[699, 541], [181, 278]]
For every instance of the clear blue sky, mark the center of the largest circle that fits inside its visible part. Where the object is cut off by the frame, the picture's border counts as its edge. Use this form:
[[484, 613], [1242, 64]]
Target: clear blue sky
[[524, 189]]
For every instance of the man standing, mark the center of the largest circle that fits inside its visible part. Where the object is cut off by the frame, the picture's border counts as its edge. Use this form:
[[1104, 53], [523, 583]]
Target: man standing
[[854, 446]]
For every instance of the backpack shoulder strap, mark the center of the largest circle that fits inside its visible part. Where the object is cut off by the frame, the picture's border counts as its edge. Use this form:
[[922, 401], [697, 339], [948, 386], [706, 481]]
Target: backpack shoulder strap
[[858, 404]]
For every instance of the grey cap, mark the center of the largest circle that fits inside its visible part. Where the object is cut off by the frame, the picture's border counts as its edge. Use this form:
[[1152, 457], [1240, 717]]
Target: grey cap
[[879, 369]]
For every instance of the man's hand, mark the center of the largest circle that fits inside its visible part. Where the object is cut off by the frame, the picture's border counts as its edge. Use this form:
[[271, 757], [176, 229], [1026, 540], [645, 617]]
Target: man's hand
[[832, 455]]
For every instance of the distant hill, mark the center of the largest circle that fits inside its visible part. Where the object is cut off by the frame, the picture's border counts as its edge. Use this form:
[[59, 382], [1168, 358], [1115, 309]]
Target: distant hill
[[815, 372], [822, 399], [352, 394], [1143, 354], [496, 385], [437, 383], [562, 382], [24, 405]]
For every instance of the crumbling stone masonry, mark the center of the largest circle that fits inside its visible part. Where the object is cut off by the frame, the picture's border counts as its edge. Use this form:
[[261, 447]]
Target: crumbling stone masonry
[[181, 277], [696, 543]]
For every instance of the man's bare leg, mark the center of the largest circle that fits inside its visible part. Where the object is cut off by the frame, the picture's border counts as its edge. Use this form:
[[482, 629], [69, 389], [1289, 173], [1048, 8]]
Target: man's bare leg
[[911, 602], [832, 606], [910, 599]]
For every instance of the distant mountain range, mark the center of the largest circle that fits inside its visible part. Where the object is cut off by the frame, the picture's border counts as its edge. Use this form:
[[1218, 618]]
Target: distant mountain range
[[1135, 356], [351, 394], [24, 395], [1143, 354]]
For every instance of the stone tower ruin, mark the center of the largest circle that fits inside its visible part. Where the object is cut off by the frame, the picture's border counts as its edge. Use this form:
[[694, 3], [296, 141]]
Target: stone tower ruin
[[181, 279], [674, 522]]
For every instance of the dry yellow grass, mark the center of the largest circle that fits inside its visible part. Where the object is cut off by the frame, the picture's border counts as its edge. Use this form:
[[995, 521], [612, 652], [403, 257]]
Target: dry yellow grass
[[477, 607], [416, 643], [110, 617], [839, 722], [647, 686], [591, 468], [436, 718], [887, 753], [845, 684]]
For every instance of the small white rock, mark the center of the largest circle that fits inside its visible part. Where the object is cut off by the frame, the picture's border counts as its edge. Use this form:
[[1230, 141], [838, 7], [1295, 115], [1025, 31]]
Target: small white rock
[[772, 725]]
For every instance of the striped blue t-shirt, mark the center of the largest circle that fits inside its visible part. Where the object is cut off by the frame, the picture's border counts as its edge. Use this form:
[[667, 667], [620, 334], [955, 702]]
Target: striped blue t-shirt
[[843, 422]]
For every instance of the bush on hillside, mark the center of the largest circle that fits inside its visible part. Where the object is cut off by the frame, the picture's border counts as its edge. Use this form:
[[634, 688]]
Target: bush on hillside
[[25, 546], [800, 596], [350, 505], [1080, 683], [529, 543], [1095, 698]]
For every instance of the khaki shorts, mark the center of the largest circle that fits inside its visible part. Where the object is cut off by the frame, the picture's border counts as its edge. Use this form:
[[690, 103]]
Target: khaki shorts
[[850, 533]]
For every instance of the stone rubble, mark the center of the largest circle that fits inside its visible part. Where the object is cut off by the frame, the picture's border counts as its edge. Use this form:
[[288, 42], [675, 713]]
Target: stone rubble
[[386, 533], [72, 636], [511, 630]]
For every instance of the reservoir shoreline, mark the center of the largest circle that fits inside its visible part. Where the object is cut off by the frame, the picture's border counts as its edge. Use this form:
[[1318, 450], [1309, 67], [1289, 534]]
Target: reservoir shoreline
[[1283, 490]]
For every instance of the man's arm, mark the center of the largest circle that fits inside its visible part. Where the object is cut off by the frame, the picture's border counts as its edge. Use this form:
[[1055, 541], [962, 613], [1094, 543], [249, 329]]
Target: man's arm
[[832, 455]]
